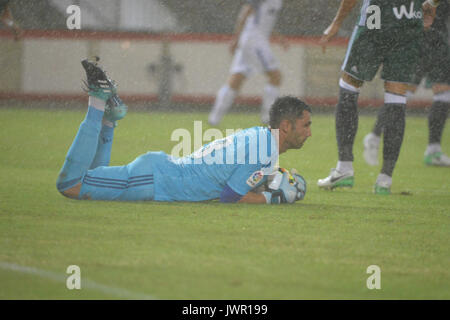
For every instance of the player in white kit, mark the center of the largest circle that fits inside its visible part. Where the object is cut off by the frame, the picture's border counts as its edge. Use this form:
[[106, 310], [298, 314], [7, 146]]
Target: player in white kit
[[252, 54]]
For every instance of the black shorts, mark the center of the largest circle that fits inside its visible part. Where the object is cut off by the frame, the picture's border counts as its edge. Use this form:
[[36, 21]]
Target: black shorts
[[396, 50], [434, 63]]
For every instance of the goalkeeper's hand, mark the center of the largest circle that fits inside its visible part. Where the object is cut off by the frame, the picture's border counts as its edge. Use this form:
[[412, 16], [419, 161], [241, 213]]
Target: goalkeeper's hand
[[282, 190], [301, 184]]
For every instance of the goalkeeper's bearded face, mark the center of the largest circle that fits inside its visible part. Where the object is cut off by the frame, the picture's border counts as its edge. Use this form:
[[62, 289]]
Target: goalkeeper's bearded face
[[298, 134]]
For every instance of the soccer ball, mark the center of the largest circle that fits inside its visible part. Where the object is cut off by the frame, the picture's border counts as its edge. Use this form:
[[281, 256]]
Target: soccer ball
[[274, 180]]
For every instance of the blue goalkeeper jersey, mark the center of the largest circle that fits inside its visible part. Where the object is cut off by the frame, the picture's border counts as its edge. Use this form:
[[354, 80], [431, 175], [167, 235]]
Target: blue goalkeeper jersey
[[242, 161]]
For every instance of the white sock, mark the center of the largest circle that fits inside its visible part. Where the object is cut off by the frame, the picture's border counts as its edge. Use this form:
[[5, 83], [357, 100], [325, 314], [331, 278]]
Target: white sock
[[224, 100], [394, 98], [271, 93], [345, 166], [97, 103], [383, 180], [347, 86], [442, 96], [375, 139], [433, 148]]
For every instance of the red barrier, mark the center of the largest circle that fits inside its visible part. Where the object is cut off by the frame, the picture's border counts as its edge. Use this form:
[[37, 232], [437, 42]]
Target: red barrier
[[254, 101]]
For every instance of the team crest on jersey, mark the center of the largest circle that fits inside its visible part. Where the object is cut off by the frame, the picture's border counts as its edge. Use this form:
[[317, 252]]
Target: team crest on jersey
[[255, 178]]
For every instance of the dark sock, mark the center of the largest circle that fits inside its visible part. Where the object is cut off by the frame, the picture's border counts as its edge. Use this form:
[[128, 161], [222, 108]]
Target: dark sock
[[346, 123], [394, 129], [436, 120], [378, 127]]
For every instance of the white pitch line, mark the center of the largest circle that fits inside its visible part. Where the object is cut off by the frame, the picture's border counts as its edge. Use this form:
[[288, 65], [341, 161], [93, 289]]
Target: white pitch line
[[85, 283]]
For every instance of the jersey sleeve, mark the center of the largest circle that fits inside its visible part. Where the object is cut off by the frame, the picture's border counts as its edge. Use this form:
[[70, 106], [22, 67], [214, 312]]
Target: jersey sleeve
[[228, 195], [245, 178]]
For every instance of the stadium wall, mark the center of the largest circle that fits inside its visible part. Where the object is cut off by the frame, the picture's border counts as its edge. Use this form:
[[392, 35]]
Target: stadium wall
[[46, 65]]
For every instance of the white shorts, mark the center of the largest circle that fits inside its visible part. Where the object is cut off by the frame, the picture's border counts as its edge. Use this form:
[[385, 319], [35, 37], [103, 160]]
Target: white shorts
[[253, 55]]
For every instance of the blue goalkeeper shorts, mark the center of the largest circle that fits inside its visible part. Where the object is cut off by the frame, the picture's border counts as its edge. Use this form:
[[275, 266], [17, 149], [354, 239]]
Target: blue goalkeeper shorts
[[132, 182]]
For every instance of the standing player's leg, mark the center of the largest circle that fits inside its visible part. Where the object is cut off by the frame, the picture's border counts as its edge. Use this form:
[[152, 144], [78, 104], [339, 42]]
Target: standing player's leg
[[393, 120], [399, 71], [361, 63], [346, 123], [84, 148], [371, 141], [263, 60], [346, 127], [271, 93], [439, 75], [240, 69], [436, 123], [225, 98]]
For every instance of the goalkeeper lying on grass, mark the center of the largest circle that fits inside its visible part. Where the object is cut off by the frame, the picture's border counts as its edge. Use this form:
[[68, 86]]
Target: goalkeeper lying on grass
[[238, 168]]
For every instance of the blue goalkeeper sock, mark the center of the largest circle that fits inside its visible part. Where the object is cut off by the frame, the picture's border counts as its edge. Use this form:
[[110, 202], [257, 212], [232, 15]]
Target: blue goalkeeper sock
[[103, 154], [82, 152]]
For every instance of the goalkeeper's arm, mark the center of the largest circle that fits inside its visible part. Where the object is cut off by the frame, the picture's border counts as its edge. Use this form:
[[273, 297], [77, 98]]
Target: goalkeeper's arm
[[230, 196], [280, 190], [253, 197]]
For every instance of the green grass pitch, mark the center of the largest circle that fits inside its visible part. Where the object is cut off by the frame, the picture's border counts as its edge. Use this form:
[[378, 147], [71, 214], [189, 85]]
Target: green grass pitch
[[319, 248]]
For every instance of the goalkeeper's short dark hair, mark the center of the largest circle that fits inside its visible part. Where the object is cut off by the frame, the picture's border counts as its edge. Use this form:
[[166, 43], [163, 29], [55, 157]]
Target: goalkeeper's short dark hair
[[286, 108]]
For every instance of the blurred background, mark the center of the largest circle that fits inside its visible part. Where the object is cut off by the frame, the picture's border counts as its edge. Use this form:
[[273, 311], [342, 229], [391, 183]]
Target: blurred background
[[168, 54]]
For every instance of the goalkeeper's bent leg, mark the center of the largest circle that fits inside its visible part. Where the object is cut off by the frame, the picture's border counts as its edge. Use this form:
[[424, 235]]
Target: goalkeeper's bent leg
[[105, 140], [82, 151]]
